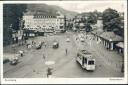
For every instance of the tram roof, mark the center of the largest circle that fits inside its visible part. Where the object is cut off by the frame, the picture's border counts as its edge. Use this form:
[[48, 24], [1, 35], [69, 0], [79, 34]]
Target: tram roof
[[84, 52]]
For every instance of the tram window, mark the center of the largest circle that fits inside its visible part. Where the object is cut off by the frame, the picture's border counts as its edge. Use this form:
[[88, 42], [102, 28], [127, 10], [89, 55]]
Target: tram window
[[90, 62], [85, 60]]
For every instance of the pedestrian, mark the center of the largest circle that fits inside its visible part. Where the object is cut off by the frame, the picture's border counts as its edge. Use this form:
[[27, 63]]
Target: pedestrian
[[66, 51], [45, 45], [44, 56], [32, 42], [21, 53], [76, 38], [49, 72]]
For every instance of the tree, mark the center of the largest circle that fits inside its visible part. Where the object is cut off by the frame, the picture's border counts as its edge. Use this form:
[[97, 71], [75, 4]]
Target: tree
[[88, 28], [12, 14], [111, 20], [92, 18]]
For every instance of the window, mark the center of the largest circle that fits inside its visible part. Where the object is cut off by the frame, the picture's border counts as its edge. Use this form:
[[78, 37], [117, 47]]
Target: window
[[91, 62], [85, 60]]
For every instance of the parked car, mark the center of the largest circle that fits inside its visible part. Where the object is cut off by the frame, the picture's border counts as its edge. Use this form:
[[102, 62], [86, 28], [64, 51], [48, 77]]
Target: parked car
[[39, 45], [14, 60], [55, 44]]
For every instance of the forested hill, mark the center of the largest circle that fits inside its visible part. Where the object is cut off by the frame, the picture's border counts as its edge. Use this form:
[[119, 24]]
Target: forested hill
[[50, 9]]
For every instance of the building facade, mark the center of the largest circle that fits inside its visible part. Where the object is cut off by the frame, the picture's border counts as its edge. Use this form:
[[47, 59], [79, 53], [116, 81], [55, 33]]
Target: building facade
[[43, 22]]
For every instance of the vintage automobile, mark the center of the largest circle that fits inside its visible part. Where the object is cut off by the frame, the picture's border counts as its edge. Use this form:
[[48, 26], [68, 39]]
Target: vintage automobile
[[55, 44], [14, 60], [39, 45]]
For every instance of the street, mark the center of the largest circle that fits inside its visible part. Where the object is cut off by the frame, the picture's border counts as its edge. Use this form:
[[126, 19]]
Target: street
[[32, 64]]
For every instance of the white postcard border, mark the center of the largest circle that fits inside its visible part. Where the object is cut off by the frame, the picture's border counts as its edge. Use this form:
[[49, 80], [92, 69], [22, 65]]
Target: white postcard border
[[59, 80]]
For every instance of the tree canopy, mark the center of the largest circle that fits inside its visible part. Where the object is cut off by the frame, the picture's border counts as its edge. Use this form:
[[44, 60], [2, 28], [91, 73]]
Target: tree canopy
[[110, 18], [112, 21], [12, 14]]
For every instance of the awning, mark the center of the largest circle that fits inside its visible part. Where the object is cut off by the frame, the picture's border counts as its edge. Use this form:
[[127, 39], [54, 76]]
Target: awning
[[120, 44]]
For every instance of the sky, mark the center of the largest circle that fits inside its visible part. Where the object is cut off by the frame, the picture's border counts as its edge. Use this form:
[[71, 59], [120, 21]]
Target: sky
[[87, 6]]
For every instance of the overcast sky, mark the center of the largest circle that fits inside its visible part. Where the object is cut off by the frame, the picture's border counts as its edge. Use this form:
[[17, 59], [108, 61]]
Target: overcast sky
[[86, 6]]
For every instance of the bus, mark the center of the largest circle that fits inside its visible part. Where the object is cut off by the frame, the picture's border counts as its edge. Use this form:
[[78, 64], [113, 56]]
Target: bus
[[85, 59]]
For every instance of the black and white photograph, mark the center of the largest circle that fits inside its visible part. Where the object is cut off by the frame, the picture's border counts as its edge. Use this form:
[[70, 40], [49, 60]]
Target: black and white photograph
[[79, 39]]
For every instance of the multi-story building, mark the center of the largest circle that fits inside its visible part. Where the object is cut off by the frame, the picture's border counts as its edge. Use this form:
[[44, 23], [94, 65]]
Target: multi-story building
[[37, 21]]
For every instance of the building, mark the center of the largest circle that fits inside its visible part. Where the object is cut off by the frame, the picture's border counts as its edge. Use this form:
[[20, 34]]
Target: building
[[98, 29], [40, 22], [100, 23], [110, 40], [78, 23], [96, 33]]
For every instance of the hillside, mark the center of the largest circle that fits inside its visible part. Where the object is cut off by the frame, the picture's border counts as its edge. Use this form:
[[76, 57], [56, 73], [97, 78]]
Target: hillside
[[69, 14], [50, 9]]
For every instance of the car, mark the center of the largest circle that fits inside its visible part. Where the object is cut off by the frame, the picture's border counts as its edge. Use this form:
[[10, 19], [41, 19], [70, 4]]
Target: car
[[14, 62], [55, 45], [39, 45]]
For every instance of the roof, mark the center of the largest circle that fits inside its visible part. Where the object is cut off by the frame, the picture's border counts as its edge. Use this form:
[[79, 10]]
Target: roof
[[36, 13], [99, 18], [97, 32], [29, 13], [44, 14], [84, 52], [82, 24], [120, 44], [111, 36]]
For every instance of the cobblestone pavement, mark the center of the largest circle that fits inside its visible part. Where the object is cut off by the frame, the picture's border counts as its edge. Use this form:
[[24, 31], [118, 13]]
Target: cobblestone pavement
[[32, 64]]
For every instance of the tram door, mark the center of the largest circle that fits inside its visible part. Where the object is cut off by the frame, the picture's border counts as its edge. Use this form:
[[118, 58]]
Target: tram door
[[83, 61]]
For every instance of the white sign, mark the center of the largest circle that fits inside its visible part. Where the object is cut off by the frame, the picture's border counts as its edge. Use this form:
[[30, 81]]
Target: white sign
[[50, 62]]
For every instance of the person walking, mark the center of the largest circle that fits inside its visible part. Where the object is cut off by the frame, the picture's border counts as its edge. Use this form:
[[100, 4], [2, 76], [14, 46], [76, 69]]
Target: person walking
[[44, 57], [21, 53], [66, 51], [49, 72], [45, 45]]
